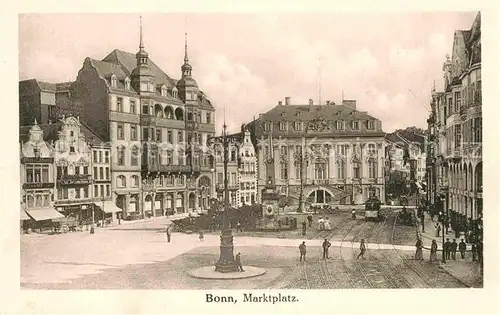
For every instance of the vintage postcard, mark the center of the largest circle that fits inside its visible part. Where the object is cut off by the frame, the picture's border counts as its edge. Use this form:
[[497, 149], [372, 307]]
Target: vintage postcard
[[248, 158]]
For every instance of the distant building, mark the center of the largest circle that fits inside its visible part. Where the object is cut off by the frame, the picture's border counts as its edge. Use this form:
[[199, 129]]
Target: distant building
[[322, 154]]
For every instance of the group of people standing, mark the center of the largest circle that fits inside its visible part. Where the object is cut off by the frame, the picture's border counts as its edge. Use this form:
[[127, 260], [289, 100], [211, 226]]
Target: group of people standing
[[450, 250]]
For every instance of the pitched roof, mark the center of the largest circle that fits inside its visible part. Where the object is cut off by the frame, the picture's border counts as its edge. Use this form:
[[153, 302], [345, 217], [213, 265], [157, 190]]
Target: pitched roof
[[311, 112], [63, 86], [127, 61], [50, 133], [45, 86]]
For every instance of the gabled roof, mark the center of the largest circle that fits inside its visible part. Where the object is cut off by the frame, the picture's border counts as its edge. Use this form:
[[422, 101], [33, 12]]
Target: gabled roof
[[47, 87], [311, 112], [50, 133]]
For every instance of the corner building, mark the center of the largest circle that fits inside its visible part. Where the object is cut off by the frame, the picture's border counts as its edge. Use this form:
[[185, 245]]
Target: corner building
[[157, 127], [329, 154]]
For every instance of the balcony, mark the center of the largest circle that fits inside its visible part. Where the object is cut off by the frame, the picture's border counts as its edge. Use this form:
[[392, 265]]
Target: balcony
[[320, 182], [81, 179], [232, 187], [151, 120], [192, 125], [38, 185]]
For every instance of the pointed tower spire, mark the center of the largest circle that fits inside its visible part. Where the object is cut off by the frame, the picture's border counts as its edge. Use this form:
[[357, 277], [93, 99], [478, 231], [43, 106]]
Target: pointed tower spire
[[186, 59], [141, 42]]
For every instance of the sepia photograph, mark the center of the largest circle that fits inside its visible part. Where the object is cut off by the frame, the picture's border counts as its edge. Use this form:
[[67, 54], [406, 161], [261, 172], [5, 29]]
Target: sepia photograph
[[169, 151]]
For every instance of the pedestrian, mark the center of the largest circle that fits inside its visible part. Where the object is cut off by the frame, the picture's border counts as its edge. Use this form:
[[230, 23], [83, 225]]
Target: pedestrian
[[474, 251], [304, 226], [168, 232], [238, 227], [279, 225], [201, 237], [418, 253], [302, 249], [353, 214], [447, 248], [321, 223], [92, 229], [362, 249], [238, 262], [438, 229], [454, 246], [462, 247], [434, 248], [310, 220], [326, 246]]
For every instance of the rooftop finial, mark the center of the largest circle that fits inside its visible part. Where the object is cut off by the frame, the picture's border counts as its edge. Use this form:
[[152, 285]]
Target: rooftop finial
[[36, 122], [186, 59], [141, 43]]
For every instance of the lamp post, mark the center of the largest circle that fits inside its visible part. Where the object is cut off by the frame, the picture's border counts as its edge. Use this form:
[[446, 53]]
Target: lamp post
[[441, 215], [226, 262]]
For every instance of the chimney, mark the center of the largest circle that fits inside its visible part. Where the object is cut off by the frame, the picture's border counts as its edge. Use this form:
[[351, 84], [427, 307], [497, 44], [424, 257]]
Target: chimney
[[280, 103], [350, 103], [311, 102], [327, 102], [287, 100]]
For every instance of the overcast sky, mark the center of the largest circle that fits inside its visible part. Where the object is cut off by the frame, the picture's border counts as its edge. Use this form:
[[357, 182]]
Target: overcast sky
[[248, 62]]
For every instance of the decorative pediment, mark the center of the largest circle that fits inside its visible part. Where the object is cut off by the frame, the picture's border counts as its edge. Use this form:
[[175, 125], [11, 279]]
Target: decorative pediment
[[319, 124], [62, 162]]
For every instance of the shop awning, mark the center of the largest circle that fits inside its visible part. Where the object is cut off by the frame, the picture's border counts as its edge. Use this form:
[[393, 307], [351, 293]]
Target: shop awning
[[44, 214], [109, 207], [24, 216]]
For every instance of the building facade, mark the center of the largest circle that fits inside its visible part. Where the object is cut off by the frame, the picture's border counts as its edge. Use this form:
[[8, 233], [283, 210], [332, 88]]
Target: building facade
[[454, 166], [321, 154], [247, 171], [157, 128]]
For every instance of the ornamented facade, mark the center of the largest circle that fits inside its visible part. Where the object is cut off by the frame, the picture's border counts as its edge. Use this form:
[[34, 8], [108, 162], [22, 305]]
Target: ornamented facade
[[158, 128], [454, 166], [326, 154]]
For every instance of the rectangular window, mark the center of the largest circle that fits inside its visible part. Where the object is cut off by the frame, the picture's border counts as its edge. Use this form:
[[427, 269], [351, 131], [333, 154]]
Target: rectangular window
[[85, 192], [133, 132], [180, 157], [95, 172], [119, 131], [458, 136], [170, 180], [45, 174], [339, 125], [77, 193], [298, 172], [209, 118], [169, 136], [71, 149], [107, 173], [132, 107], [119, 104], [96, 192], [101, 173], [145, 134], [108, 190], [158, 135], [170, 158], [102, 190], [180, 138], [77, 170], [106, 157], [100, 156], [283, 170], [95, 156], [355, 125], [458, 101], [145, 109], [85, 170], [371, 125], [282, 125]]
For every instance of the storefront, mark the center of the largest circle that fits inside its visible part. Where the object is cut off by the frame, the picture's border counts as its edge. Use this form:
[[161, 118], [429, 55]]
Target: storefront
[[42, 219]]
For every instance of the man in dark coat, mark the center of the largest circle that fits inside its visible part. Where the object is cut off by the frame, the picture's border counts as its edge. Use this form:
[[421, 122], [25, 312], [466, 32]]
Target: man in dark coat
[[302, 249], [462, 247], [326, 246], [238, 262], [168, 232], [447, 248], [454, 246], [310, 220]]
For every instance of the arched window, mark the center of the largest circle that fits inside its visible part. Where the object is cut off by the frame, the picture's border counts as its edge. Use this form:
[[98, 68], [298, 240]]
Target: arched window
[[372, 149], [356, 168], [120, 154], [169, 112], [121, 181], [340, 169], [372, 169], [134, 156]]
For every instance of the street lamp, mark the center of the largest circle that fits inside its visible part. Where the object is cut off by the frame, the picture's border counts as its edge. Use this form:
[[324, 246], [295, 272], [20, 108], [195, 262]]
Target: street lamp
[[441, 215], [226, 262], [300, 157]]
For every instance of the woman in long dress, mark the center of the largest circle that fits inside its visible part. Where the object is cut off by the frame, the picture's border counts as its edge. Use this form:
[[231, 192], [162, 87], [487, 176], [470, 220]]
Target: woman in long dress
[[418, 253], [434, 248], [328, 224], [321, 224]]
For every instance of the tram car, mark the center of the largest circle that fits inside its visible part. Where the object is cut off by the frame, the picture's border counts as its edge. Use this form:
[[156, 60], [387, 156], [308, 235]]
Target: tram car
[[372, 209]]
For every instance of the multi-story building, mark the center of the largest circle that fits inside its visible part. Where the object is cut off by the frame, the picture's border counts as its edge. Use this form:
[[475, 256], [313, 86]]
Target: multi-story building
[[79, 187], [157, 127], [323, 154], [37, 179], [248, 170], [455, 166], [233, 167]]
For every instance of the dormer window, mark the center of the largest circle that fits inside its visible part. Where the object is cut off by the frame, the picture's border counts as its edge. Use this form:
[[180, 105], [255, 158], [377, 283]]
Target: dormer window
[[127, 83], [339, 125], [282, 126], [265, 126], [114, 81], [297, 126], [175, 93], [371, 125], [355, 125], [163, 91]]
